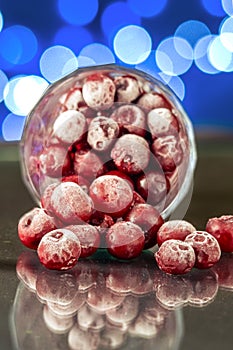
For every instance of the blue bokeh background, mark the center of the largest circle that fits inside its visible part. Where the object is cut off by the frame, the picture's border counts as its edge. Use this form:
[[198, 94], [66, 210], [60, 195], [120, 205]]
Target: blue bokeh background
[[186, 44]]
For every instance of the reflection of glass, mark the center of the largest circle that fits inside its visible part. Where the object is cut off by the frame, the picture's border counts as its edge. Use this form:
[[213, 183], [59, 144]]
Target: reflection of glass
[[100, 304]]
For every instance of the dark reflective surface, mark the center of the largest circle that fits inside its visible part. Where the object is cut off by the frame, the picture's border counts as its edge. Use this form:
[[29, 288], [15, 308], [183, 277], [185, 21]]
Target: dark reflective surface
[[105, 304]]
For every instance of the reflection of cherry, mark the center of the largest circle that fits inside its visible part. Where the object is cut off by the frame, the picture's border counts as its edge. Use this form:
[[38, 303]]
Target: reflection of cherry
[[224, 270]]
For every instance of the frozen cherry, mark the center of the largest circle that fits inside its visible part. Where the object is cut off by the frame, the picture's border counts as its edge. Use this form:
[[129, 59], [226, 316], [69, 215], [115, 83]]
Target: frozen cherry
[[70, 203], [131, 153], [111, 195], [102, 132], [222, 229], [175, 257], [88, 236], [54, 161], [78, 179], [206, 248], [162, 122], [46, 198], [152, 100], [130, 118], [127, 88], [99, 91], [122, 175], [33, 226], [59, 249], [87, 164], [149, 219], [168, 152], [69, 126], [125, 240], [73, 99], [174, 229], [152, 186]]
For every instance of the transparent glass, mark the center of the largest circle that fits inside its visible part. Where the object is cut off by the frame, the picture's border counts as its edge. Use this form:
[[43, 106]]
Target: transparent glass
[[44, 132]]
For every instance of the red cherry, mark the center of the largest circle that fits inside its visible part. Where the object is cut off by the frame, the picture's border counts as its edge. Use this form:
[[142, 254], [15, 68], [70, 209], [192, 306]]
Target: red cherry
[[130, 118], [59, 249], [153, 100], [162, 122], [111, 195], [88, 237], [131, 154], [222, 229], [33, 226], [174, 229], [125, 240], [54, 161], [149, 219], [127, 88], [102, 132], [168, 152], [206, 248], [99, 91], [70, 203], [152, 186], [175, 257]]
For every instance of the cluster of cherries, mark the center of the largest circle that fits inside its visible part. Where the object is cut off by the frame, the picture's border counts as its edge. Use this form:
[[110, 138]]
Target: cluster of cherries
[[113, 161]]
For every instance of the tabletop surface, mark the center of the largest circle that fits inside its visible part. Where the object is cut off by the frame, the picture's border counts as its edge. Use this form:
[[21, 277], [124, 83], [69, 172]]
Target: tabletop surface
[[106, 304]]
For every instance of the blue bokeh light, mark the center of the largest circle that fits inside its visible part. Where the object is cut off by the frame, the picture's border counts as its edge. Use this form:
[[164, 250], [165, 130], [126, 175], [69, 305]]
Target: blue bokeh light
[[174, 56], [73, 37], [147, 8], [78, 12], [99, 53], [201, 59], [192, 31], [3, 82], [132, 44], [18, 44], [1, 21], [214, 7], [228, 7], [12, 127], [53, 62], [116, 16]]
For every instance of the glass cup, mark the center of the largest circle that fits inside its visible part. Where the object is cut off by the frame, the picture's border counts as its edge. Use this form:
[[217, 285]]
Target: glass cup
[[75, 129]]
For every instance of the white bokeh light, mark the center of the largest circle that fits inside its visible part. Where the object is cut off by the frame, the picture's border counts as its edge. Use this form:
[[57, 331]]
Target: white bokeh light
[[174, 56], [1, 21], [132, 44], [54, 60], [228, 6], [176, 84], [12, 127], [84, 61], [219, 56], [192, 31], [201, 55], [226, 25], [99, 53], [3, 82], [22, 93]]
